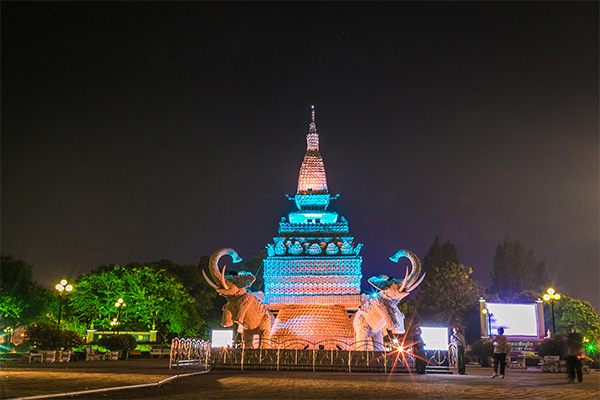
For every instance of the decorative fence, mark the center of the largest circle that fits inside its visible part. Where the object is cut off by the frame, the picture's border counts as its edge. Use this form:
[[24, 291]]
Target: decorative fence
[[189, 353], [329, 355]]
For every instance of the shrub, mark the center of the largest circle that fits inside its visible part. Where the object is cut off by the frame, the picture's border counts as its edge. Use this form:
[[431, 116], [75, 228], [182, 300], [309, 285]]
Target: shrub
[[47, 336], [144, 347], [22, 348], [98, 349], [532, 361], [117, 342], [483, 349], [553, 346]]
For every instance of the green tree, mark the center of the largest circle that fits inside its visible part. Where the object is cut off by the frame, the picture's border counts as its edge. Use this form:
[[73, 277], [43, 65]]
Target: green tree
[[152, 299], [92, 301], [203, 296], [448, 295], [516, 270], [569, 311], [22, 300], [439, 255]]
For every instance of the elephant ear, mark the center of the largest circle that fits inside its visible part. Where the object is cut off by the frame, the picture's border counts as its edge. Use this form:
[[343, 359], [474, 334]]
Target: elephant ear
[[384, 282], [241, 279]]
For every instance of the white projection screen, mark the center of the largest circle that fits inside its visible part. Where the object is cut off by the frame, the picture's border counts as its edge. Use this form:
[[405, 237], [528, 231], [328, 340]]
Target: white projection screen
[[516, 319], [435, 338]]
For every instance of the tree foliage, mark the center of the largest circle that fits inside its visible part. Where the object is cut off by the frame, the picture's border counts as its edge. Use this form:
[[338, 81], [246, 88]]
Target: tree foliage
[[22, 300], [448, 293], [152, 298], [569, 311], [202, 295], [439, 255], [516, 270]]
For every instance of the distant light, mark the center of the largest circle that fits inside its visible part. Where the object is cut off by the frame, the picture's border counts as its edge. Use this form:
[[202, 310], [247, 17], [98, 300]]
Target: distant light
[[550, 291], [546, 297]]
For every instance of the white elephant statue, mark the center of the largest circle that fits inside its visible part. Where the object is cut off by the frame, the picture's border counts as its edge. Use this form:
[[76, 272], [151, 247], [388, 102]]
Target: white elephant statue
[[380, 313]]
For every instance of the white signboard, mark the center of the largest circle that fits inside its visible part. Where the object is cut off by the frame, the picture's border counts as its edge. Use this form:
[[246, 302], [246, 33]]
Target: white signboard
[[516, 319], [221, 338], [435, 338]]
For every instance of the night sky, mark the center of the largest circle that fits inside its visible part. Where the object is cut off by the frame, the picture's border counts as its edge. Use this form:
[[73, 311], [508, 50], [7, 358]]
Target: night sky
[[135, 132]]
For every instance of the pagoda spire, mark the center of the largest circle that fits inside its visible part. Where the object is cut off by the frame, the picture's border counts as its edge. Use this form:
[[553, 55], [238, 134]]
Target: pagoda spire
[[312, 181], [312, 139]]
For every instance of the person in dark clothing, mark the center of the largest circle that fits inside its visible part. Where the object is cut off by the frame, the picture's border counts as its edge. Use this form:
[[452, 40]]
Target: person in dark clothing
[[457, 342], [419, 352], [574, 352]]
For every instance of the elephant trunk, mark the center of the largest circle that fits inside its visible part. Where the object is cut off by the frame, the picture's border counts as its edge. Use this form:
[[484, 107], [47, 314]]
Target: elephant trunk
[[213, 265], [410, 281]]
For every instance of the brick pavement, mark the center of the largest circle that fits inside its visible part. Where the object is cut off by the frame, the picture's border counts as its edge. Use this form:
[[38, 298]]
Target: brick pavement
[[519, 384]]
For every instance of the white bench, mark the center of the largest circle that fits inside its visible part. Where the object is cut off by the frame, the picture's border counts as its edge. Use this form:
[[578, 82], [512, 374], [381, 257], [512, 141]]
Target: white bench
[[112, 355], [160, 352], [91, 355]]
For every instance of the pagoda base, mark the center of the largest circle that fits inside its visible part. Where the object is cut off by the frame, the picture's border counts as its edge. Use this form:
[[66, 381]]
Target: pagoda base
[[296, 323]]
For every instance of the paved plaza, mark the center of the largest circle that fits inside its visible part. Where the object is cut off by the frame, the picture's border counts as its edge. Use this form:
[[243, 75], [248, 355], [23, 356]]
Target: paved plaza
[[29, 380]]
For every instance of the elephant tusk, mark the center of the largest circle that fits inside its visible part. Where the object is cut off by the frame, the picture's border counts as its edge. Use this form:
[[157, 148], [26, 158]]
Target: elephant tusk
[[411, 288], [209, 281], [250, 284], [223, 278], [404, 281], [415, 269]]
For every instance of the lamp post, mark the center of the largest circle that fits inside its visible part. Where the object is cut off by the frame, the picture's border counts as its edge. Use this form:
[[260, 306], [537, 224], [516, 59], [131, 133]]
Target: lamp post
[[119, 305], [489, 314], [552, 296], [62, 287]]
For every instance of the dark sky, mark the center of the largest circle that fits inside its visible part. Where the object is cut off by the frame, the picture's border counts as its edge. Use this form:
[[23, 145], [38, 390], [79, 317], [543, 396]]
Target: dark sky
[[134, 132]]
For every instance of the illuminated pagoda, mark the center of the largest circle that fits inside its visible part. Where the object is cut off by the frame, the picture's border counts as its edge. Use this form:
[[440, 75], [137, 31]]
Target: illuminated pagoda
[[312, 271]]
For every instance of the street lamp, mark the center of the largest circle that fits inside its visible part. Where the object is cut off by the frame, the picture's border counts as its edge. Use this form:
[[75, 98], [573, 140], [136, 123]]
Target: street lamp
[[489, 314], [119, 305], [552, 296], [62, 287]]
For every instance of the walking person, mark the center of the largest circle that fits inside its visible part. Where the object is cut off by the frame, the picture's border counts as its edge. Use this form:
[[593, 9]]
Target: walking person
[[457, 342], [418, 348], [500, 351], [574, 352]]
